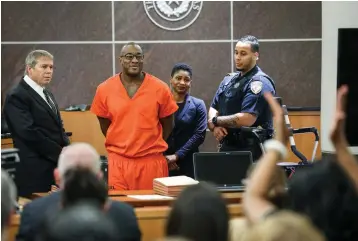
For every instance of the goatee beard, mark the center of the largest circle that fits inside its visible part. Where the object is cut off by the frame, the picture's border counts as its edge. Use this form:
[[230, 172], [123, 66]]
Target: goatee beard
[[134, 75]]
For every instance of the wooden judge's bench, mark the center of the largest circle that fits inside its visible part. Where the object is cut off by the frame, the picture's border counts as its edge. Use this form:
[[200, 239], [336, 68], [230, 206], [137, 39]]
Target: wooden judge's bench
[[151, 214]]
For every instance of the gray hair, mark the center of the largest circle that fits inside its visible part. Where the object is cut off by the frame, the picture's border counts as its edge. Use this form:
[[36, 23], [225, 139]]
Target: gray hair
[[33, 56], [78, 155], [8, 198]]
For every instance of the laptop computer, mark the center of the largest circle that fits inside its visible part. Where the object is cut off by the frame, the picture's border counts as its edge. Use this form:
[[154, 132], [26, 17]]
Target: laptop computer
[[226, 170]]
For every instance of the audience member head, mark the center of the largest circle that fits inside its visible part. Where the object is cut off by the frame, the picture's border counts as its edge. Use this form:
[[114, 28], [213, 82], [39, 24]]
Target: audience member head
[[173, 239], [283, 226], [82, 184], [199, 214], [77, 155], [246, 53], [326, 195], [8, 199], [39, 66], [131, 59], [181, 78], [277, 189], [81, 222]]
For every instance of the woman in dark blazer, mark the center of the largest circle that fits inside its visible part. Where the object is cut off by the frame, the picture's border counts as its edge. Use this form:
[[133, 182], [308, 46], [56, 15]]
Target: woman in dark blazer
[[190, 123]]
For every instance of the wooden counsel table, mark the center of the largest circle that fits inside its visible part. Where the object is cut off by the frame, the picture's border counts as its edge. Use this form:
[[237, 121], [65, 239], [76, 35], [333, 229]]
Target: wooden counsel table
[[151, 214], [230, 197]]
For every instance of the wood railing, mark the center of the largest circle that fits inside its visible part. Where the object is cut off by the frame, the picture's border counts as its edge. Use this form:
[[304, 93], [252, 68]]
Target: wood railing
[[85, 128]]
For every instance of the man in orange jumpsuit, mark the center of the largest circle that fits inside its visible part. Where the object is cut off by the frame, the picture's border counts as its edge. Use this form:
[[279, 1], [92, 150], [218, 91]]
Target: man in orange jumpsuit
[[135, 112]]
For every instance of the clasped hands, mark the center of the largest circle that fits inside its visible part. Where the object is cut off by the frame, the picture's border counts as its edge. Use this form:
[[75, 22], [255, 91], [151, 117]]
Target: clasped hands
[[218, 131], [172, 162]]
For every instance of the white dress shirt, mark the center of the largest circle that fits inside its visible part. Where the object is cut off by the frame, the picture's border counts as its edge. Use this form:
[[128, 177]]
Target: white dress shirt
[[36, 87]]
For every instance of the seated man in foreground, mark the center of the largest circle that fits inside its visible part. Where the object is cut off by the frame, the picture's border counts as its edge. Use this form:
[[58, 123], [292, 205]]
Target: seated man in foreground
[[83, 156]]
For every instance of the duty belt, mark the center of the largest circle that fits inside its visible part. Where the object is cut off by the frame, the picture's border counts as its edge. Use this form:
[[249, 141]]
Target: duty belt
[[246, 137]]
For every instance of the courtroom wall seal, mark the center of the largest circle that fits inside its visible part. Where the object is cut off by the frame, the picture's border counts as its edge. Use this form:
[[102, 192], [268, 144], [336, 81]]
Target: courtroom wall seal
[[173, 15]]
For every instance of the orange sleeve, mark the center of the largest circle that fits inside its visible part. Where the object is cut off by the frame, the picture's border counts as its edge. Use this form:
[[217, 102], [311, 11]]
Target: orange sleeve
[[167, 104], [99, 107]]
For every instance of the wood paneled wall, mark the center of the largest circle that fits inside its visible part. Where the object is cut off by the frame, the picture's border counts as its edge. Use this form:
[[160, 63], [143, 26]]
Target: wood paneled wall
[[85, 128]]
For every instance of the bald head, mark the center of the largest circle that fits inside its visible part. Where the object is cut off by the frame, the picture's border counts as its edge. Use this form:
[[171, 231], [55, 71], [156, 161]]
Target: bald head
[[130, 46], [131, 60], [79, 155]]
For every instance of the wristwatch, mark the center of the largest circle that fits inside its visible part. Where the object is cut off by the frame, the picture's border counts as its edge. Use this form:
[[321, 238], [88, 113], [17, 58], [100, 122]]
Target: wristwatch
[[215, 121]]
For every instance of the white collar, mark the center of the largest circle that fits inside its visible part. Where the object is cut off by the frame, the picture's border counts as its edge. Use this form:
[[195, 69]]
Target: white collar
[[38, 88]]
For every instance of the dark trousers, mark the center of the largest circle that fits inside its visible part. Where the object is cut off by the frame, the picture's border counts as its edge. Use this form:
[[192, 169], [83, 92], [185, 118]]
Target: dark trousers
[[186, 167], [243, 144]]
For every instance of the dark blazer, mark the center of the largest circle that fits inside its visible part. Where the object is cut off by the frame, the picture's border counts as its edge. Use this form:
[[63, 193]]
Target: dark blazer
[[38, 134], [35, 212], [188, 134]]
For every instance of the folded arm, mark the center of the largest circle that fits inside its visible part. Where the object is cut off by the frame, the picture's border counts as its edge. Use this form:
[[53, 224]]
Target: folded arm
[[237, 120]]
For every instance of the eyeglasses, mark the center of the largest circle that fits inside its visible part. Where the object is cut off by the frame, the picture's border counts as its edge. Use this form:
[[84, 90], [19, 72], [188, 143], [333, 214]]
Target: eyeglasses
[[130, 57]]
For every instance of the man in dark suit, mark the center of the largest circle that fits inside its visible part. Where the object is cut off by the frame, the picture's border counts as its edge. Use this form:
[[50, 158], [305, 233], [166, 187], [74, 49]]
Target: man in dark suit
[[78, 155], [35, 123], [189, 126]]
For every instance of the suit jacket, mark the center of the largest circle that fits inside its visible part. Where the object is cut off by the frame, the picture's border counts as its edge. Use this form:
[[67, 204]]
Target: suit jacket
[[188, 134], [38, 134], [35, 212]]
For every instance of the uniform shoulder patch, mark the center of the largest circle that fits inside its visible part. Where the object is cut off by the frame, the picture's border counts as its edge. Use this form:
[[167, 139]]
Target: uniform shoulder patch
[[256, 87]]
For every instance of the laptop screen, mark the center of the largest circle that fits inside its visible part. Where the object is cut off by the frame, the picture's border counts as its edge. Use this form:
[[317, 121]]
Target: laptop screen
[[222, 168]]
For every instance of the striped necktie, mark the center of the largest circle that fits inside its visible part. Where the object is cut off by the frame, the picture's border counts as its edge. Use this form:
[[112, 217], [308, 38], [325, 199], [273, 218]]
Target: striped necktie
[[50, 102]]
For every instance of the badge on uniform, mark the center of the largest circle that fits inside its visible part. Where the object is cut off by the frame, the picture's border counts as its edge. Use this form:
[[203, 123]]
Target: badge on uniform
[[256, 87]]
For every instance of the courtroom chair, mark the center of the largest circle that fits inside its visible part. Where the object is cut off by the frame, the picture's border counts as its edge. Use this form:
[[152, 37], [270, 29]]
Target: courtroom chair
[[5, 132], [261, 136]]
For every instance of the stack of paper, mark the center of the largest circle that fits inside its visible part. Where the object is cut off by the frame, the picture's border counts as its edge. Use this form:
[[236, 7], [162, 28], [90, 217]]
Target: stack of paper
[[150, 197], [172, 186]]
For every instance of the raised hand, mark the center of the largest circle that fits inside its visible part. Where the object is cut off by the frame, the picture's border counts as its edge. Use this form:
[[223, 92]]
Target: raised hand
[[337, 133], [344, 157], [281, 131]]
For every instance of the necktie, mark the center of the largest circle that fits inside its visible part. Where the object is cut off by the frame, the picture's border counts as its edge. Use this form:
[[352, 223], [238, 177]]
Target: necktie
[[49, 100]]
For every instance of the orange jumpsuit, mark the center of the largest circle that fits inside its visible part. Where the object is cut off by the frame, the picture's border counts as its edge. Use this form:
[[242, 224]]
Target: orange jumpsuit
[[134, 139]]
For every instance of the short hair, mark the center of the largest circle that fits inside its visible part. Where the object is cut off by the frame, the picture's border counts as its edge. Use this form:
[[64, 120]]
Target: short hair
[[78, 155], [200, 213], [130, 44], [33, 56], [332, 205], [181, 66], [83, 185], [8, 197], [80, 222], [252, 40]]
